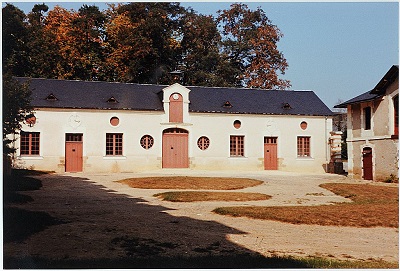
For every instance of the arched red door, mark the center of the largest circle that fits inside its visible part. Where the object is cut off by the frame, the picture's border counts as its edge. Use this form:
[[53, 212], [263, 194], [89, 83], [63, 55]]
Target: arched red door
[[367, 164], [175, 148]]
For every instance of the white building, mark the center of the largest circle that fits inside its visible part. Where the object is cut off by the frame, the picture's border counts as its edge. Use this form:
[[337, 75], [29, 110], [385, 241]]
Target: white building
[[115, 127]]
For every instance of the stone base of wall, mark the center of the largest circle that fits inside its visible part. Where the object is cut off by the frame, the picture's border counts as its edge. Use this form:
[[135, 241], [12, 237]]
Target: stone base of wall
[[335, 167]]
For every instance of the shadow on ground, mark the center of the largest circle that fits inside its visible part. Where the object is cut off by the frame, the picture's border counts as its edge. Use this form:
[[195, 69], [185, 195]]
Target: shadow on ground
[[72, 222]]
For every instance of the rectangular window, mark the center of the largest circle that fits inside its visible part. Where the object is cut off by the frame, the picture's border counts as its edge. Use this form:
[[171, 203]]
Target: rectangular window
[[30, 143], [237, 146], [113, 144], [73, 137], [367, 118], [270, 140], [303, 146]]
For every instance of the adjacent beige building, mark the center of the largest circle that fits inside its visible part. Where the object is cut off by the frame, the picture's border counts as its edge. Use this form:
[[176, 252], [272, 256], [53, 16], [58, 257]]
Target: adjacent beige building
[[372, 135]]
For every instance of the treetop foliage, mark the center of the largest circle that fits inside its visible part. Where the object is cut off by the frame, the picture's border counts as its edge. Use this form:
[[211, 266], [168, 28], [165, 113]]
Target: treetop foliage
[[142, 43]]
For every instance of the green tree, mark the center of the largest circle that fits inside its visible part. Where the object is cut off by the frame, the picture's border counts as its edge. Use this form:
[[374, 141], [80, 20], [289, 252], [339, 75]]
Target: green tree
[[42, 53], [200, 50], [16, 106], [14, 41], [155, 26], [249, 47]]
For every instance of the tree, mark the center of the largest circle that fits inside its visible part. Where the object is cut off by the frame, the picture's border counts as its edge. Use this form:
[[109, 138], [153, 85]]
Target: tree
[[14, 38], [142, 43], [16, 106], [155, 28], [200, 50], [40, 49], [124, 47], [88, 33], [74, 41], [58, 45], [250, 47]]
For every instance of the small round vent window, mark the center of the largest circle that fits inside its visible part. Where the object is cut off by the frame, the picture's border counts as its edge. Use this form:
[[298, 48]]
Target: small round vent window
[[303, 125], [146, 142], [114, 121], [203, 143], [237, 124]]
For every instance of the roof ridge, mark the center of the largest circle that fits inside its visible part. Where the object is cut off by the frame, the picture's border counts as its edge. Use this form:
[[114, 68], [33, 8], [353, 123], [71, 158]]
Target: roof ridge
[[88, 81]]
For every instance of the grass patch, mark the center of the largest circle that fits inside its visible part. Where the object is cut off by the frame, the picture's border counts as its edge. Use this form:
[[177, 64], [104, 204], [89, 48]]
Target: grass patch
[[191, 196], [186, 182], [236, 261], [319, 262], [372, 206]]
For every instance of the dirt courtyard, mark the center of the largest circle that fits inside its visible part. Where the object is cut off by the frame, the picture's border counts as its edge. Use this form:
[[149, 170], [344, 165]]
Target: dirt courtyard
[[90, 217]]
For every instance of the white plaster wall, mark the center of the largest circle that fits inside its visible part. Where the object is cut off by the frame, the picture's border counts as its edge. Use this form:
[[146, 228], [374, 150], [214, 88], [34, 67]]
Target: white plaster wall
[[94, 124], [219, 127]]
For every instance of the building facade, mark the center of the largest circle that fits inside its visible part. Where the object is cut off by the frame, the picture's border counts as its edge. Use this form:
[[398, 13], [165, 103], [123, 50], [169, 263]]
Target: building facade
[[372, 130], [113, 127]]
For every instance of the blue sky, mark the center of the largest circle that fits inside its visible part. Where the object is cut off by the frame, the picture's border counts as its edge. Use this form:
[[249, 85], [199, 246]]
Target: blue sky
[[337, 49]]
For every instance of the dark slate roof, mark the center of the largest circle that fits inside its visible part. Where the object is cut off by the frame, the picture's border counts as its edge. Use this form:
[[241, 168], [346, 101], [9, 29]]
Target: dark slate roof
[[378, 91], [256, 101], [365, 97], [94, 95], [386, 80]]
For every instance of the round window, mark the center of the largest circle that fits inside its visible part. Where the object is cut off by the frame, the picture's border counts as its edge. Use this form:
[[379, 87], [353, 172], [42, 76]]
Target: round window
[[237, 124], [303, 125], [146, 142], [114, 121], [203, 143]]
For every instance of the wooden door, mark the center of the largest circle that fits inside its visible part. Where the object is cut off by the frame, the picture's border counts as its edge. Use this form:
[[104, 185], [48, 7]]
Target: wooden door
[[367, 164], [270, 153], [175, 149], [73, 153]]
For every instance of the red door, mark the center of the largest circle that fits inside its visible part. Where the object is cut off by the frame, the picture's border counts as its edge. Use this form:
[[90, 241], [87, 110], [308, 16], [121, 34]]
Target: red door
[[73, 153], [175, 149], [367, 164], [270, 153]]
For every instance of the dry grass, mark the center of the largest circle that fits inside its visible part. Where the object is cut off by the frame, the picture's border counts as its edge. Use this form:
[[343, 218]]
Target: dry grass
[[372, 206], [191, 196], [185, 182]]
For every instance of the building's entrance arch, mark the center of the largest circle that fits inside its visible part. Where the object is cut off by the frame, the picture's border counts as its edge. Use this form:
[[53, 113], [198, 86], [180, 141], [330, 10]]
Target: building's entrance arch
[[175, 152], [367, 163]]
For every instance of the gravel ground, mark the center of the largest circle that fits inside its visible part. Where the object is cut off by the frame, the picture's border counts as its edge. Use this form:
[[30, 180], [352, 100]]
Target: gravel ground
[[90, 216]]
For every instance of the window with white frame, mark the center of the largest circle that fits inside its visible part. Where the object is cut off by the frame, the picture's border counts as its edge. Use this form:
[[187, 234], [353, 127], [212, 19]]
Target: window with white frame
[[303, 146], [236, 146], [29, 143], [114, 144]]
